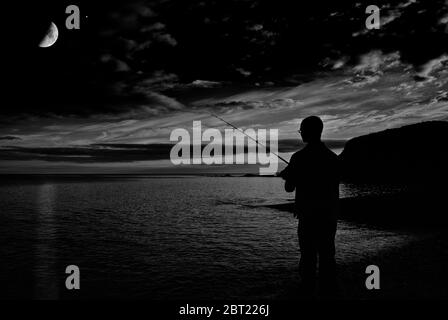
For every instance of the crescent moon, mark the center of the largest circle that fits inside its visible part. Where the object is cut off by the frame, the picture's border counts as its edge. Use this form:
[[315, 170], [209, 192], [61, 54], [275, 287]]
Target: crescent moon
[[50, 37]]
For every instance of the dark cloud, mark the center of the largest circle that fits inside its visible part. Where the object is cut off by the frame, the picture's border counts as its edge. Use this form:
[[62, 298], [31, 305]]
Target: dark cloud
[[113, 153], [10, 138], [89, 154]]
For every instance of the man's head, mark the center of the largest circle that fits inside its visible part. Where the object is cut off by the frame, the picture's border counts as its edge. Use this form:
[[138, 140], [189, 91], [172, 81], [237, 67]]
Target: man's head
[[311, 129]]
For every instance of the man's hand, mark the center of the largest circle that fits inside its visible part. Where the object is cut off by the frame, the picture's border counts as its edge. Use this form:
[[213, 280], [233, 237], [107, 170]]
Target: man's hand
[[289, 185], [282, 174]]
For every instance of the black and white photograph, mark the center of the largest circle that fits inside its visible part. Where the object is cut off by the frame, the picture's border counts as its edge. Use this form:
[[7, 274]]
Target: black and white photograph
[[247, 151]]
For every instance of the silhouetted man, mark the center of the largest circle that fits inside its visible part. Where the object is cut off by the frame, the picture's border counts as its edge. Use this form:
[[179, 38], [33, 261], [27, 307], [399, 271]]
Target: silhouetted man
[[313, 173]]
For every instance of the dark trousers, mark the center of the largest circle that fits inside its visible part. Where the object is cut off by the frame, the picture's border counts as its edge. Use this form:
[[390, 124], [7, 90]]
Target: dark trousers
[[316, 239]]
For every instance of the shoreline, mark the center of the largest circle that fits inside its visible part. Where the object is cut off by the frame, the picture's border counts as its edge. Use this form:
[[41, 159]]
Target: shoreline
[[415, 270]]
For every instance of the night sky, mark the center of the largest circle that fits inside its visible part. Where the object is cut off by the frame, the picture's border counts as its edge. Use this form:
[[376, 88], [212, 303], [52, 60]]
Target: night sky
[[136, 70]]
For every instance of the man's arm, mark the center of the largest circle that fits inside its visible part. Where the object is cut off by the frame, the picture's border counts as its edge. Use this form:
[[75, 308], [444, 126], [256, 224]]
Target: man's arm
[[288, 175], [289, 186]]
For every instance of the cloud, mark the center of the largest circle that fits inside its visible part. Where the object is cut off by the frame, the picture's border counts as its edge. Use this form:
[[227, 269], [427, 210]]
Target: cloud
[[433, 66], [442, 96], [100, 153], [205, 84], [153, 27], [244, 72], [10, 138], [374, 65], [158, 80], [123, 153], [377, 62], [444, 21], [116, 65], [388, 14], [165, 38], [128, 17], [139, 133], [339, 64]]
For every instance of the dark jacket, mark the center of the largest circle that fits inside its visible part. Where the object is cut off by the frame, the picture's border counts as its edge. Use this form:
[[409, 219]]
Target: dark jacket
[[314, 173]]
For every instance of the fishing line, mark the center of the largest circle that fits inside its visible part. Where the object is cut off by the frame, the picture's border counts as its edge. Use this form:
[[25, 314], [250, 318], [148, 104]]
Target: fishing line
[[253, 139]]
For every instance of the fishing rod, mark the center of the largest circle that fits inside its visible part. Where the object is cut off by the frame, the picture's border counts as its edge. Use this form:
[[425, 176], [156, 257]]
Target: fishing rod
[[256, 141]]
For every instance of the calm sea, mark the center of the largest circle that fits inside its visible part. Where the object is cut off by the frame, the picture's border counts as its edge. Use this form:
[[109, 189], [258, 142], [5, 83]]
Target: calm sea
[[160, 238]]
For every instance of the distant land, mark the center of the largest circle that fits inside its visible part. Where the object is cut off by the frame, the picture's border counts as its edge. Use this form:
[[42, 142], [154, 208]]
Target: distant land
[[417, 152]]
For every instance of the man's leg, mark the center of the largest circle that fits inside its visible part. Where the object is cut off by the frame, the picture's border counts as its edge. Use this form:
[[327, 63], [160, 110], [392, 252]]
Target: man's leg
[[308, 256], [327, 261]]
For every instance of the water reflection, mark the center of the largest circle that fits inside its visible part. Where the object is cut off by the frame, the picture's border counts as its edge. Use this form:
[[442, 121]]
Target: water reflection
[[166, 238], [45, 273]]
